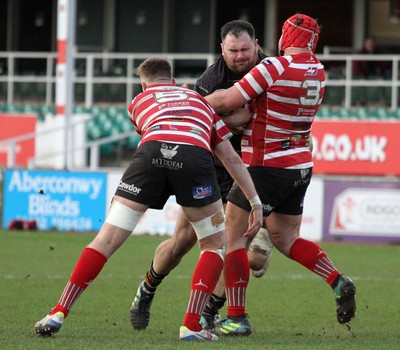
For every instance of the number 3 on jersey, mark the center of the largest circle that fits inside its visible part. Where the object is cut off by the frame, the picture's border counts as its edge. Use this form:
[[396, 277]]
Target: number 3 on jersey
[[312, 96]]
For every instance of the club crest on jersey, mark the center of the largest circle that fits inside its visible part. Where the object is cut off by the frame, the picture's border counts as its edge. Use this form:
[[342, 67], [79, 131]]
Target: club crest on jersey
[[203, 191], [266, 62], [167, 151], [311, 72]]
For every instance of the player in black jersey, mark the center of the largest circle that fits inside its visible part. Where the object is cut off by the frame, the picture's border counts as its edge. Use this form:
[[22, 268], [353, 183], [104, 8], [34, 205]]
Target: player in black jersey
[[240, 53]]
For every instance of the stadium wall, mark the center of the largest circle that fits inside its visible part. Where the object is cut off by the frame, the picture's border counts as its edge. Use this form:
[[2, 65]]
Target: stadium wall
[[335, 208]]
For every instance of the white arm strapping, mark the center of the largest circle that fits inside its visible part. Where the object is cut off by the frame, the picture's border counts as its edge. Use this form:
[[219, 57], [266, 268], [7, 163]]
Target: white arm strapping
[[255, 202]]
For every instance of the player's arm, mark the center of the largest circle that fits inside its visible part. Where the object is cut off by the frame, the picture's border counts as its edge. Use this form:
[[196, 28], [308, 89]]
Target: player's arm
[[233, 163], [226, 100], [238, 117]]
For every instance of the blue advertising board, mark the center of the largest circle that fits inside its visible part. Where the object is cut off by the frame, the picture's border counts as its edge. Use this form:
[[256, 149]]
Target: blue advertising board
[[63, 201]]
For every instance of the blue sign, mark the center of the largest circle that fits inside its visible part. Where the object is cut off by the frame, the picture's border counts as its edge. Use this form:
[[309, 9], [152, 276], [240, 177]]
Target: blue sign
[[63, 201]]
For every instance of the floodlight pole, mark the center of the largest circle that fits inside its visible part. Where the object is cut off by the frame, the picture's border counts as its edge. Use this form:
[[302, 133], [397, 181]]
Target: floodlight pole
[[66, 14]]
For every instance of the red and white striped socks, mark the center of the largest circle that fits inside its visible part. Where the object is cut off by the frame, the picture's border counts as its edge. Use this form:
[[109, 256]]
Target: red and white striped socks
[[204, 280], [314, 258], [89, 265], [236, 274]]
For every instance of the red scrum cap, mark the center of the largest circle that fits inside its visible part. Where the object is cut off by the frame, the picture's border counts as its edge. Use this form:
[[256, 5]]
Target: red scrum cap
[[300, 31]]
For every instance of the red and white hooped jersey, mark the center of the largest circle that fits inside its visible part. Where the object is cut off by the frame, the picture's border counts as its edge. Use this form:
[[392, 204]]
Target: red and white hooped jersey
[[287, 92], [170, 113]]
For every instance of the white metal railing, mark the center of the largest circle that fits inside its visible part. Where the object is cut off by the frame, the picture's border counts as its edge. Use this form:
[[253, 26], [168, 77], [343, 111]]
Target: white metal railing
[[348, 82], [95, 63], [10, 145], [89, 77]]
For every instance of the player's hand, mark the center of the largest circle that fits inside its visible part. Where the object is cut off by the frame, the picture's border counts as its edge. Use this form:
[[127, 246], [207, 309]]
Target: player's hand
[[238, 119], [255, 221], [243, 115]]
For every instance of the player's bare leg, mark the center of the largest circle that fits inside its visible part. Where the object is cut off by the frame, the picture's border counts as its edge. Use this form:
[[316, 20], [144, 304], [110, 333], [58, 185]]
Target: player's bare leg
[[169, 253], [167, 256], [120, 222]]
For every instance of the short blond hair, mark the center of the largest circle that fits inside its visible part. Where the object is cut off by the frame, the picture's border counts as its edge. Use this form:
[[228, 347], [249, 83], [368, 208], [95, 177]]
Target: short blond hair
[[154, 69]]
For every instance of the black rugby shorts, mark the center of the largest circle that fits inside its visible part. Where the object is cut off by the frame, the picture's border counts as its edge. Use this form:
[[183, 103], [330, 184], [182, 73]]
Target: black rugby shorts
[[161, 169], [280, 190], [225, 181]]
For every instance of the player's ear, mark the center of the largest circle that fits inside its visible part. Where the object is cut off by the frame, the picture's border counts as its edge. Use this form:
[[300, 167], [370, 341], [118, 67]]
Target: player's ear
[[173, 81]]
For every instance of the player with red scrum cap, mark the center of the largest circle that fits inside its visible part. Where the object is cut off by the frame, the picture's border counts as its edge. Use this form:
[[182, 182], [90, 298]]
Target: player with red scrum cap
[[286, 92], [300, 31]]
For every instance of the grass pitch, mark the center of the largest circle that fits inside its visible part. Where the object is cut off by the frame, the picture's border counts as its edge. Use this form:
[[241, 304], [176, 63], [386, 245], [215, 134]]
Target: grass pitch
[[289, 308]]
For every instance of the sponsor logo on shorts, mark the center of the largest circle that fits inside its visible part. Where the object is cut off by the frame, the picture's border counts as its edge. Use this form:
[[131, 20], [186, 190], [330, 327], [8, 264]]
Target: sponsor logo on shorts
[[171, 164], [168, 151], [301, 182], [129, 188], [267, 208], [203, 191]]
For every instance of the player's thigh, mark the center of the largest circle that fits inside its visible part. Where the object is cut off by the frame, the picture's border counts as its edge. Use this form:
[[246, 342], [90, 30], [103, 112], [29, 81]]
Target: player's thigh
[[184, 233], [194, 214], [283, 223]]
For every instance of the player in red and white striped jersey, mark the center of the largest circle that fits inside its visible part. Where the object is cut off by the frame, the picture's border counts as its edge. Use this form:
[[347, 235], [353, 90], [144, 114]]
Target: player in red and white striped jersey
[[285, 92], [175, 114], [292, 90], [180, 132], [240, 53]]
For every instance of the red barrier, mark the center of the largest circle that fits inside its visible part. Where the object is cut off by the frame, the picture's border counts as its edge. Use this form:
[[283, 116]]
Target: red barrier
[[356, 147], [12, 125]]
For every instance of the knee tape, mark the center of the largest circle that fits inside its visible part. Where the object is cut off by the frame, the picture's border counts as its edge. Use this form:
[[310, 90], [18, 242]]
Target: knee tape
[[261, 242], [122, 216], [209, 225]]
